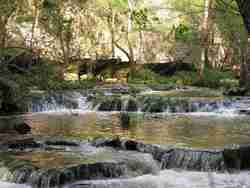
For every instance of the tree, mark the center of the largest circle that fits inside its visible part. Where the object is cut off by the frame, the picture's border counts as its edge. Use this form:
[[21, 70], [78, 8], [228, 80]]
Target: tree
[[7, 8], [244, 7], [205, 36], [58, 18], [36, 6]]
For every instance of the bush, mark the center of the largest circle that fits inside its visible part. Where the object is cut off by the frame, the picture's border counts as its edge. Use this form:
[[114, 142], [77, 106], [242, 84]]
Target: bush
[[146, 76], [45, 77], [216, 79], [212, 78]]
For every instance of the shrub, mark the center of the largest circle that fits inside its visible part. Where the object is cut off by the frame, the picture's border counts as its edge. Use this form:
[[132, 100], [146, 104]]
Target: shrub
[[212, 78]]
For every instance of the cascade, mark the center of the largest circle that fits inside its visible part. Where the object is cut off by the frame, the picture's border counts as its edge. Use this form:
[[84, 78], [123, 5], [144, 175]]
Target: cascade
[[70, 101]]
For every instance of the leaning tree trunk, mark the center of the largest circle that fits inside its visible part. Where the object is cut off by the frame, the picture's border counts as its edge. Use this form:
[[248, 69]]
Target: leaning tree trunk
[[244, 8]]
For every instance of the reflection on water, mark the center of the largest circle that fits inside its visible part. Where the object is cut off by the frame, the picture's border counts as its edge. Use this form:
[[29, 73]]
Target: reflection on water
[[180, 130]]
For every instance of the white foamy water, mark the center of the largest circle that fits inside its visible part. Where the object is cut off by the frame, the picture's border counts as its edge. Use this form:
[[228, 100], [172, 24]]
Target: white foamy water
[[166, 179], [174, 179], [12, 185]]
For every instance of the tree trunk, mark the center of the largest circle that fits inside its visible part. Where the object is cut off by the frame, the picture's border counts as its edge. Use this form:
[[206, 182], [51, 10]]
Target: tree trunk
[[140, 52], [3, 32], [244, 6], [205, 38], [111, 24], [131, 51], [129, 31], [65, 58], [3, 38], [35, 10], [245, 66], [113, 34]]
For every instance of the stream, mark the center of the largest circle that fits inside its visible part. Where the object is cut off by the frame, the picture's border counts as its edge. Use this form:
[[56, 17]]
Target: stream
[[115, 139]]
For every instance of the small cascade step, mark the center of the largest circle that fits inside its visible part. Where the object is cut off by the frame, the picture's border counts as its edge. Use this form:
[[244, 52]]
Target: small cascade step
[[135, 103]]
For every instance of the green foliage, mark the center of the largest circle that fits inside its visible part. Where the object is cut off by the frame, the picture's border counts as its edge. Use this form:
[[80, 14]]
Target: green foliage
[[45, 77], [231, 25], [141, 18], [184, 33], [119, 3], [216, 79], [187, 6], [145, 76], [190, 11], [7, 7], [52, 17], [212, 78], [24, 19]]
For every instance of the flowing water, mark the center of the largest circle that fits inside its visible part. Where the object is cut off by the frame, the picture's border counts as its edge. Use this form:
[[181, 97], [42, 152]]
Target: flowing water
[[198, 122], [166, 179], [174, 179]]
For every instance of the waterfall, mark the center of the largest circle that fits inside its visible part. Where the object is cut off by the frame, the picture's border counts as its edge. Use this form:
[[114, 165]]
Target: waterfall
[[58, 102]]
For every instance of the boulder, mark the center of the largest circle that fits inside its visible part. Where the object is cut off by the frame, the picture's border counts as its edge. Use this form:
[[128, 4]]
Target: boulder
[[113, 104], [193, 160], [237, 157], [17, 142], [22, 128], [125, 120], [237, 91]]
